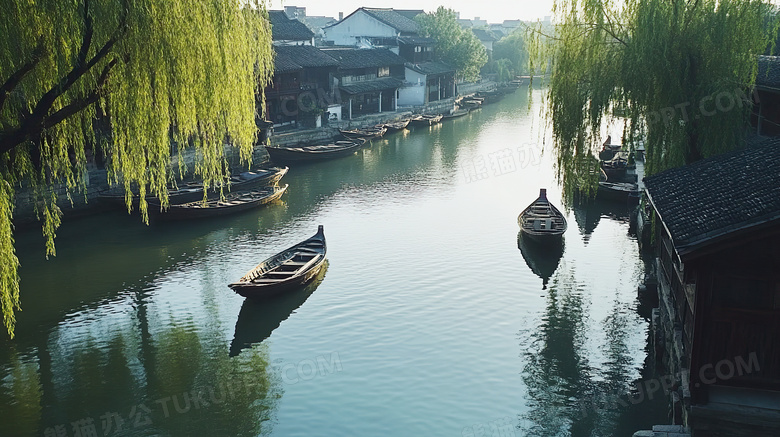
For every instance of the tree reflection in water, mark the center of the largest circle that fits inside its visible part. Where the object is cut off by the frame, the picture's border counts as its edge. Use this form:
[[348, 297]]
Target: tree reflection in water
[[572, 391], [120, 381], [557, 372]]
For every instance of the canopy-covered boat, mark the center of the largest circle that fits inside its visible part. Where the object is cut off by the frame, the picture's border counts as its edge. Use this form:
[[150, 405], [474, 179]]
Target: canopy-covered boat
[[541, 221], [336, 149], [288, 269], [233, 202]]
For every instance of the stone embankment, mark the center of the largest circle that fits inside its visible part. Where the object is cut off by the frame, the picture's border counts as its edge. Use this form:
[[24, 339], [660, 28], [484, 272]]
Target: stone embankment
[[81, 203]]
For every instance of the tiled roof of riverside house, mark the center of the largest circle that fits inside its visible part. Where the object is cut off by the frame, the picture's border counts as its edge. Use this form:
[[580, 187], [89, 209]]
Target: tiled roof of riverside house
[[285, 29], [410, 13], [383, 83], [768, 72], [394, 19], [306, 56], [714, 197], [432, 67], [284, 63], [364, 58], [484, 35]]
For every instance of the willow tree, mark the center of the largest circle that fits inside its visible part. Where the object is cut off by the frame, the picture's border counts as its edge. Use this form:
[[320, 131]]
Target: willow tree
[[680, 71], [125, 78]]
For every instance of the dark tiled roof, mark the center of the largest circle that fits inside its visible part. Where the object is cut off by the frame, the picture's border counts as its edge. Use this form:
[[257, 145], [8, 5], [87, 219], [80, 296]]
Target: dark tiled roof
[[768, 72], [284, 63], [484, 35], [364, 58], [306, 56], [431, 67], [316, 22], [719, 195], [410, 13], [372, 85], [393, 19], [416, 40], [285, 29]]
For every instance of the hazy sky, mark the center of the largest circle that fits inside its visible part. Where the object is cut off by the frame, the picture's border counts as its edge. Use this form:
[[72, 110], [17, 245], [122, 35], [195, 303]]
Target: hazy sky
[[493, 11]]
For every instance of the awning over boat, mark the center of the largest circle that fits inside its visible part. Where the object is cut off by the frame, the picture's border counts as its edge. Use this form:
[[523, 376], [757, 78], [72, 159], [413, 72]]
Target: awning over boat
[[385, 83]]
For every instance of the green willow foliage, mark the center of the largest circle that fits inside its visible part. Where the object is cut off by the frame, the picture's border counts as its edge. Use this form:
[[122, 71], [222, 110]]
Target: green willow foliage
[[680, 71], [133, 79], [455, 46]]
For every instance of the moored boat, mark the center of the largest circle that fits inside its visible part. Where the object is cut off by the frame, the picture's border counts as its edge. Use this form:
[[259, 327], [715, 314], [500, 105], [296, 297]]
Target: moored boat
[[470, 103], [287, 270], [193, 191], [618, 190], [233, 203], [541, 221], [336, 149], [425, 120], [396, 126], [455, 113], [491, 96], [609, 150], [615, 169], [368, 133]]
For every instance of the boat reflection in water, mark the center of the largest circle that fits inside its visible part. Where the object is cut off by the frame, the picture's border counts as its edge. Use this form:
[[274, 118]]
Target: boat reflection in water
[[542, 259], [258, 318]]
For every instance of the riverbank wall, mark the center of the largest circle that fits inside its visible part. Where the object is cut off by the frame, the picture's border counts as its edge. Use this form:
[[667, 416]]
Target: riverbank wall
[[77, 202]]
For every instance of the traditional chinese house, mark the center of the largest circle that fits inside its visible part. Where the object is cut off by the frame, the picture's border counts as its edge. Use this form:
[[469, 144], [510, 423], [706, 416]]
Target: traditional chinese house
[[717, 232], [369, 80]]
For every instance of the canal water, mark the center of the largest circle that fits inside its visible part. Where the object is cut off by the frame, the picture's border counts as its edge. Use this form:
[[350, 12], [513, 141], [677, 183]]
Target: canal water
[[429, 320]]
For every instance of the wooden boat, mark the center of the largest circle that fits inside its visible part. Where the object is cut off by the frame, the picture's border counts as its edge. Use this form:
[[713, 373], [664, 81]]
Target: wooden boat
[[618, 191], [425, 120], [193, 191], [615, 168], [288, 269], [368, 133], [541, 221], [233, 202], [337, 149], [396, 126], [609, 150], [491, 96], [455, 113], [470, 103], [258, 319]]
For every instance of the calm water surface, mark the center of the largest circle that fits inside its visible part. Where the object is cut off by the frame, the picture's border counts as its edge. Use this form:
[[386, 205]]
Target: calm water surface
[[429, 320]]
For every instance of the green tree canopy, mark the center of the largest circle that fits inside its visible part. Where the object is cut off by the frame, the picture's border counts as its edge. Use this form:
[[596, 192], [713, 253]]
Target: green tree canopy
[[125, 78], [681, 69], [455, 46], [512, 48]]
